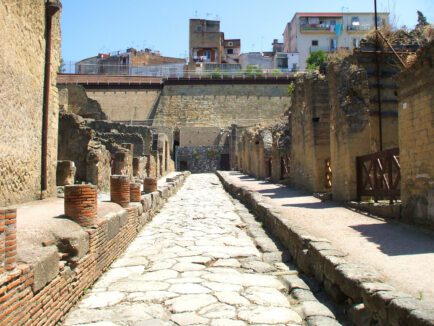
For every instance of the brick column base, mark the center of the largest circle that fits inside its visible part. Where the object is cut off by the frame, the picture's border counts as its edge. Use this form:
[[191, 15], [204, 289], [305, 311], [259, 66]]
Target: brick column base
[[149, 185], [120, 190], [81, 204], [8, 239]]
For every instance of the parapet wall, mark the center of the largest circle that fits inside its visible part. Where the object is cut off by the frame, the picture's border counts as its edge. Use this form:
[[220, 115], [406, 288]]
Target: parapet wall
[[24, 302]]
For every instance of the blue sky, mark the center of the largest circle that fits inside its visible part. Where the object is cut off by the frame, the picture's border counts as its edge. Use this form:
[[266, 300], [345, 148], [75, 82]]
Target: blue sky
[[93, 26]]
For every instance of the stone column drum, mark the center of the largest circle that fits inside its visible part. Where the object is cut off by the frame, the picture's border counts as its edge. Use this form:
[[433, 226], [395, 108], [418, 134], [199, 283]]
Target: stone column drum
[[2, 240], [10, 243], [120, 190], [81, 204], [135, 192], [149, 185]]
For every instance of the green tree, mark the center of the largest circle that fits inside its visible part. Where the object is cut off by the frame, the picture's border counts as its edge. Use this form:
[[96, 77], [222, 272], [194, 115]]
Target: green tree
[[421, 20], [315, 60], [62, 67], [252, 71]]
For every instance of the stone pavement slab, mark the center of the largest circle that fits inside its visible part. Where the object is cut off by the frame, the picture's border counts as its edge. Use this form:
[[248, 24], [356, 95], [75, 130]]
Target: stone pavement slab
[[194, 264]]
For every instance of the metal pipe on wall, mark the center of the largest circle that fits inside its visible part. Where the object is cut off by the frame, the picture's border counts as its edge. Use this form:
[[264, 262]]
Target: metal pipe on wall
[[51, 8]]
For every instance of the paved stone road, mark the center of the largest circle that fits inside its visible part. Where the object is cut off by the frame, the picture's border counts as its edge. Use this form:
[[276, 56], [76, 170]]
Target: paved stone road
[[194, 264]]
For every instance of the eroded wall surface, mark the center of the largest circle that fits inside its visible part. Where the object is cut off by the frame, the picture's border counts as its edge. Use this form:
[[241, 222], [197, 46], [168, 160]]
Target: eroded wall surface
[[416, 141], [22, 58], [125, 104]]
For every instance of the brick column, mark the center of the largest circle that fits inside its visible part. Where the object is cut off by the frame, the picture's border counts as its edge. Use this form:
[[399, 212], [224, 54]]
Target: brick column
[[81, 204], [135, 192], [10, 238], [2, 240], [120, 190], [149, 185]]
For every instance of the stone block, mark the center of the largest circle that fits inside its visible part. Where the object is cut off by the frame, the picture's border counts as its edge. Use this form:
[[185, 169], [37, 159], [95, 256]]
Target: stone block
[[65, 174]]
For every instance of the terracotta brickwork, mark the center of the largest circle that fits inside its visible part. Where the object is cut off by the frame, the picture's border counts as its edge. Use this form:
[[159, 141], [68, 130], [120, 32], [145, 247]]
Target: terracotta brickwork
[[19, 305], [120, 190], [416, 139], [81, 204], [149, 185], [135, 192]]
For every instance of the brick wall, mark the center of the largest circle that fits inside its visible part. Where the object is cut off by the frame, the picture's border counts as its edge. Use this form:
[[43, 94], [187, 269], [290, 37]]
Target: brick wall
[[22, 58], [416, 139], [310, 123], [20, 305]]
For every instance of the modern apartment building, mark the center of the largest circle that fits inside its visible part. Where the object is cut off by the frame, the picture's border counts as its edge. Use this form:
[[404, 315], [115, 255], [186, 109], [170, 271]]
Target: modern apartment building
[[208, 44], [328, 31]]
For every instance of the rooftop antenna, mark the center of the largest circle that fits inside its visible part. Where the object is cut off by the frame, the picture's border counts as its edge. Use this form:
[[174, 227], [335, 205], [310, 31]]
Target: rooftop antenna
[[208, 14], [217, 17], [195, 13]]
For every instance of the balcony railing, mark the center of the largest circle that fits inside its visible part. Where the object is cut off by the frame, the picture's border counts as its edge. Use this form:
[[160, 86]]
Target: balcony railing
[[316, 27], [361, 28]]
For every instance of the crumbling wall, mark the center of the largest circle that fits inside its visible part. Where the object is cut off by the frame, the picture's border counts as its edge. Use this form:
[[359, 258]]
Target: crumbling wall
[[22, 57], [73, 99], [199, 159], [74, 139], [281, 153], [349, 125], [110, 127], [416, 141], [98, 165], [310, 125]]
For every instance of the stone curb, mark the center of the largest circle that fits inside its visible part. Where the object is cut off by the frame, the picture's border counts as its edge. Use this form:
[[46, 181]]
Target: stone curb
[[359, 287]]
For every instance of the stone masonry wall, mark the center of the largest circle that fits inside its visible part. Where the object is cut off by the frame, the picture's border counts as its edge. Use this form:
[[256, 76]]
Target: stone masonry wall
[[125, 104], [22, 58], [221, 105], [349, 125], [73, 99], [199, 159], [416, 141], [310, 122]]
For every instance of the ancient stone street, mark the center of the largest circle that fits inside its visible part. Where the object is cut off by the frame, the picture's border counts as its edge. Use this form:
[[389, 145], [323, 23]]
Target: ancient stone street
[[196, 264]]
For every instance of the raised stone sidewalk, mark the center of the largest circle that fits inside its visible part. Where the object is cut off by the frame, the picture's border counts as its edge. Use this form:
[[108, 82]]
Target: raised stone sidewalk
[[381, 272], [203, 260]]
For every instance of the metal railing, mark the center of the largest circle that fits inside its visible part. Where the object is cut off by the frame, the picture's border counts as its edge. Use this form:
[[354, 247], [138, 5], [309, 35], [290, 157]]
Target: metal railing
[[172, 72]]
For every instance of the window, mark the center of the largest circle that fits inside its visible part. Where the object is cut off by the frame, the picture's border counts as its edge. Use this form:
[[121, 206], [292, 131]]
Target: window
[[230, 43], [198, 28], [230, 51], [314, 42], [356, 42], [333, 44], [355, 21]]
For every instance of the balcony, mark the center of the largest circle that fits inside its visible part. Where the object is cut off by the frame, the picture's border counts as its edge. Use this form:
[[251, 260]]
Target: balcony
[[317, 27], [359, 28], [315, 48]]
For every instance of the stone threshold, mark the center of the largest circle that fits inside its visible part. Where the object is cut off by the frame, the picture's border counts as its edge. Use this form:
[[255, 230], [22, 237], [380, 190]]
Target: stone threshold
[[361, 289]]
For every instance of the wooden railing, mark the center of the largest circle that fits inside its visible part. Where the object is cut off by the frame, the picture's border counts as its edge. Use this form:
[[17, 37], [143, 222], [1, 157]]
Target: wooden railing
[[379, 175]]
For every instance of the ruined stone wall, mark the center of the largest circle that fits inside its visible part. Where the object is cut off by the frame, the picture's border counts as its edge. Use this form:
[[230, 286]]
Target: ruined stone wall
[[22, 58], [416, 141], [109, 127], [125, 104], [202, 136], [199, 159], [310, 123], [73, 99], [349, 125], [221, 105]]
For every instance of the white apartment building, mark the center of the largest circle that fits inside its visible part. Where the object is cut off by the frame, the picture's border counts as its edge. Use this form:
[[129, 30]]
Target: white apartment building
[[328, 31]]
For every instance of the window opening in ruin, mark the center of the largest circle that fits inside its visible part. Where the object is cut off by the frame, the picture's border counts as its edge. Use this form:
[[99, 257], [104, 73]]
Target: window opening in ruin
[[315, 119], [183, 166]]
